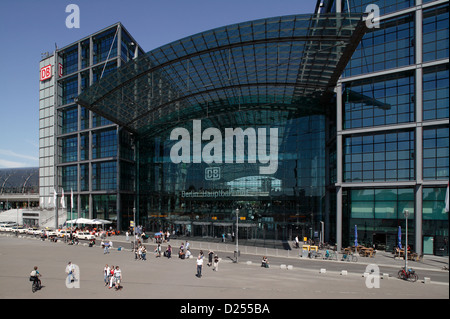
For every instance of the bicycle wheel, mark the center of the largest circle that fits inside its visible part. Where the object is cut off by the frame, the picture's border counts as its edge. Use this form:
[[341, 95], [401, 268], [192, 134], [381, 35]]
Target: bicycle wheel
[[34, 287], [400, 274], [414, 277]]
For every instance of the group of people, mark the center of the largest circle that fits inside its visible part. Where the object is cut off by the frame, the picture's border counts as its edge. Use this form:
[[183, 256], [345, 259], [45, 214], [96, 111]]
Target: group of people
[[140, 253], [112, 277], [213, 260], [184, 252]]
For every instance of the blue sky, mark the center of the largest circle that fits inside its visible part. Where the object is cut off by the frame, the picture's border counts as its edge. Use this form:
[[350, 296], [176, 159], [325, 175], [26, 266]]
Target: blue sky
[[30, 27]]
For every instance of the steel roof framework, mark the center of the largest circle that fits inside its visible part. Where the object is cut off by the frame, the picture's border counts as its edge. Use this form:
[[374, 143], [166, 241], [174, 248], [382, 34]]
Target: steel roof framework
[[283, 63]]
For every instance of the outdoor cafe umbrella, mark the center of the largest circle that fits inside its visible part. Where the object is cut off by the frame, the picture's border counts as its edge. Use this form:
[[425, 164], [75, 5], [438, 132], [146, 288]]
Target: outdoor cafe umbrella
[[101, 221], [81, 221]]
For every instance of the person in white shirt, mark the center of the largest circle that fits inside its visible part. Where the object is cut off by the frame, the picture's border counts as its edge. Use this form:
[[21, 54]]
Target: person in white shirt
[[106, 272], [199, 266], [118, 277], [70, 271]]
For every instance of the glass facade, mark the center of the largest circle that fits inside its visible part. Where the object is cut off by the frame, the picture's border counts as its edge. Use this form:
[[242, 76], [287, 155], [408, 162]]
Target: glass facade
[[382, 100], [359, 118], [435, 220], [87, 144], [69, 60], [377, 213], [275, 206], [379, 157], [435, 153], [435, 92], [389, 46], [69, 119], [69, 89], [241, 81], [395, 132], [435, 33], [385, 6]]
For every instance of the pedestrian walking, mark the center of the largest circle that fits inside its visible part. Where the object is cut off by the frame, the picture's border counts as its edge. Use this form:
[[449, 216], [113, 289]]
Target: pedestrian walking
[[70, 271], [216, 263], [118, 277], [140, 252], [210, 258], [105, 248], [106, 272], [169, 251], [199, 266], [127, 234], [144, 253], [111, 277]]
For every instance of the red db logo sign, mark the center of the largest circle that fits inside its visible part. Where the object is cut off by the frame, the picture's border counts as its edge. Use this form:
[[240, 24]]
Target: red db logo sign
[[46, 72]]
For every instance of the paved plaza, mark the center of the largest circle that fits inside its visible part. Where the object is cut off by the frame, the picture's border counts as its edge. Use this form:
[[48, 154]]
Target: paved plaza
[[162, 278]]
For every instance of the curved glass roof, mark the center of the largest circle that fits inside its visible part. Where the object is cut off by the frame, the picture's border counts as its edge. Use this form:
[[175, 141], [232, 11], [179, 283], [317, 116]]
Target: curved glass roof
[[19, 180], [288, 62]]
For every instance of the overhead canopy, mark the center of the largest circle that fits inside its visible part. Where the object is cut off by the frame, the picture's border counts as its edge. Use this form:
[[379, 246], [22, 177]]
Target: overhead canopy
[[288, 63]]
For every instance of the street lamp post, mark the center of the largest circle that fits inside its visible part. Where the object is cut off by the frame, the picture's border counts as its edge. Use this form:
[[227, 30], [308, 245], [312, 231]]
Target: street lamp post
[[237, 234], [322, 233], [134, 227], [406, 213]]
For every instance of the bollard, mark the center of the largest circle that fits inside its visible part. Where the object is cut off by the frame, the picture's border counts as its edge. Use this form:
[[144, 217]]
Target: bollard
[[323, 270], [344, 272], [426, 280], [283, 266], [249, 262], [290, 267], [385, 276]]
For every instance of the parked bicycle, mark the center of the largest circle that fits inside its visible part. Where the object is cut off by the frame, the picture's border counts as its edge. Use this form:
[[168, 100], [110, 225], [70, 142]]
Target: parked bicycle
[[349, 257], [407, 275], [330, 255]]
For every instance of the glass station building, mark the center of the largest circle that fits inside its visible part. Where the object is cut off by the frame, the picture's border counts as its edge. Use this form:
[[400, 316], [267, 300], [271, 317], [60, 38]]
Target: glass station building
[[299, 125]]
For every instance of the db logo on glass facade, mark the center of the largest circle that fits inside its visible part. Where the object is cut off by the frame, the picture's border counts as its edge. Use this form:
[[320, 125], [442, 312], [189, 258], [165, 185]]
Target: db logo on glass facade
[[212, 173]]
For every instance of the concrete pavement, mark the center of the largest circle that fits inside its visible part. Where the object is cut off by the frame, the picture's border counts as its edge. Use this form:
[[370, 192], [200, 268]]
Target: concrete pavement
[[162, 278], [279, 254]]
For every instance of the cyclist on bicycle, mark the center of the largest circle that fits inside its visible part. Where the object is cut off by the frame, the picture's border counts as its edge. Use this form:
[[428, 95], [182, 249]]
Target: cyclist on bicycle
[[34, 276]]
